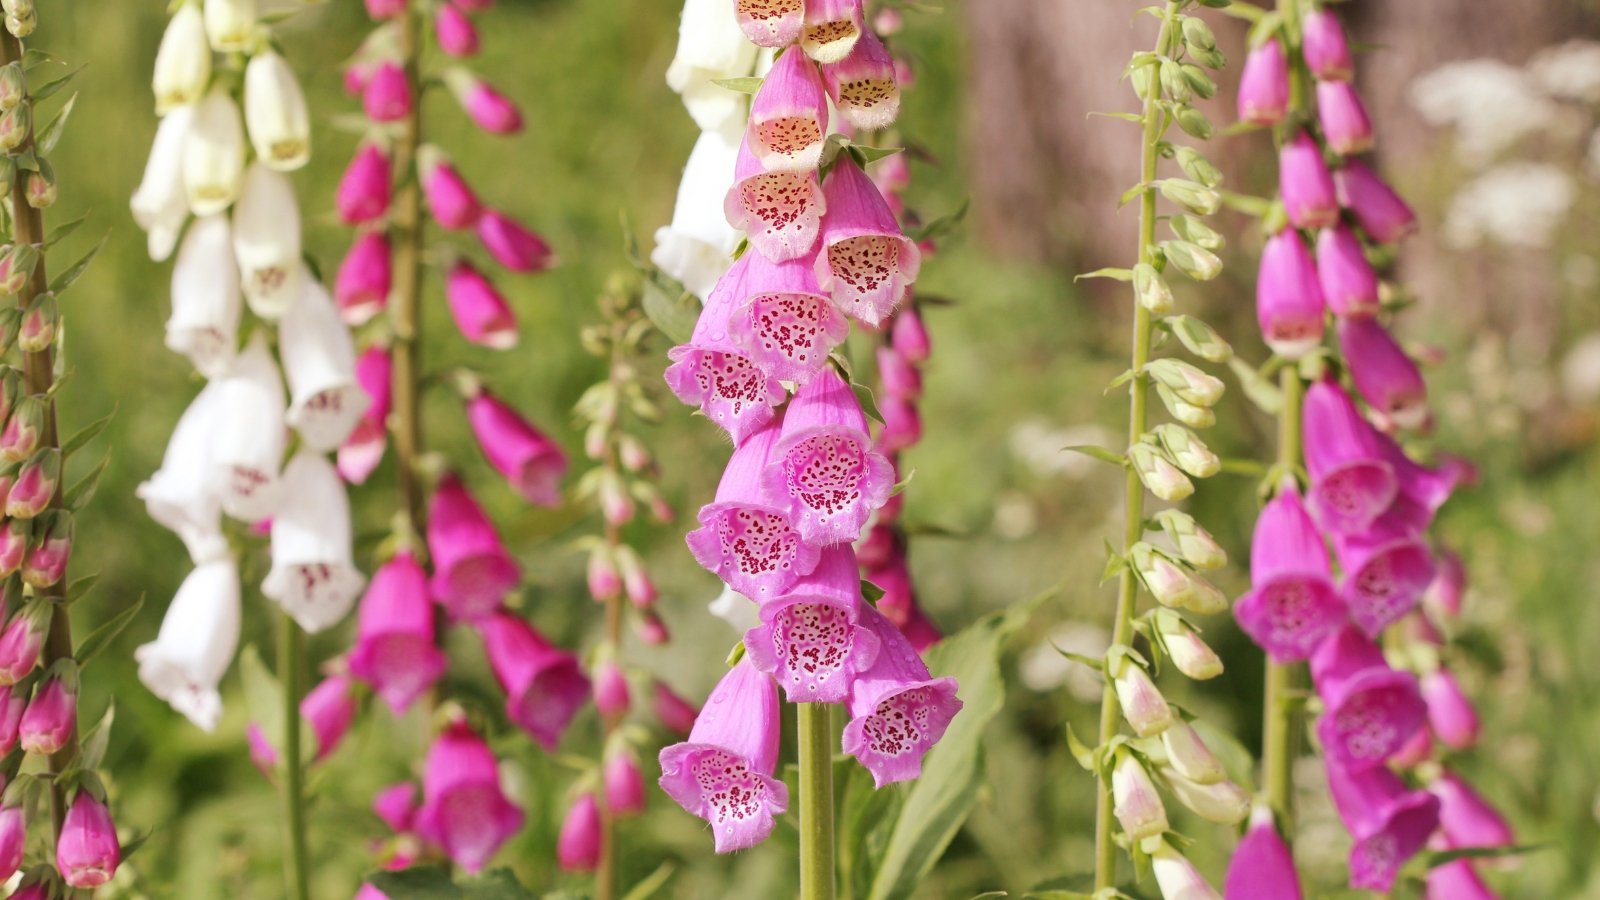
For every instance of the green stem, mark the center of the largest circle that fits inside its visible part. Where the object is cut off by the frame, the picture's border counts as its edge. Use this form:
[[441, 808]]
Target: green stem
[[405, 303], [816, 801], [1105, 867], [291, 652], [1280, 740]]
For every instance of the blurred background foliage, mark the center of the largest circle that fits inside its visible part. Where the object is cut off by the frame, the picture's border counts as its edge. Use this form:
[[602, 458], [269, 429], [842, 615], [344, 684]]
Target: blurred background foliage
[[1021, 359]]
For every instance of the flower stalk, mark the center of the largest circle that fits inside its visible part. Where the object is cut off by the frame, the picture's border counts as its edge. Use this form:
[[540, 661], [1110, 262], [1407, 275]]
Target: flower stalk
[[815, 742], [291, 665], [406, 310]]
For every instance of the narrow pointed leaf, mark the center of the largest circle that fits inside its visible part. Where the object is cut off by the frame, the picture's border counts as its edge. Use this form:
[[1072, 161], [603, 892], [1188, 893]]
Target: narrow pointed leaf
[[72, 272], [85, 435], [101, 637], [46, 140]]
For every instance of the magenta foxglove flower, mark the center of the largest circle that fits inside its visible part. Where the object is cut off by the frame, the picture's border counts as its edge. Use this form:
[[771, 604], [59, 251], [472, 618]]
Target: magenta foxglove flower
[[780, 211], [511, 244], [902, 424], [532, 462], [49, 719], [867, 263], [545, 687], [1264, 85], [770, 23], [472, 572], [1378, 209], [13, 838], [809, 638], [611, 690], [1349, 283], [1443, 597], [450, 199], [624, 785], [388, 96], [1262, 867], [1352, 482], [329, 708], [1326, 50], [464, 809], [832, 28], [1371, 709], [493, 111], [482, 314], [1344, 119], [87, 853], [363, 449], [675, 713], [395, 651], [898, 711], [1289, 302], [13, 703], [724, 772], [784, 321], [1466, 819], [578, 845], [897, 375], [752, 546], [22, 641], [1387, 566], [1386, 376], [789, 115], [396, 805], [1389, 822], [1423, 489], [1454, 720], [456, 35], [909, 336], [1457, 880], [865, 85], [365, 276], [711, 372], [1305, 184], [1292, 604], [824, 473], [385, 9], [363, 193], [37, 890]]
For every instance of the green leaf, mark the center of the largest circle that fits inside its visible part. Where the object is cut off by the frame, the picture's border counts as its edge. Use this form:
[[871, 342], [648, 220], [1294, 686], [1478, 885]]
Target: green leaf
[[1113, 274], [97, 738], [49, 88], [85, 434], [102, 637], [869, 403], [871, 592], [866, 816], [1100, 453], [866, 156], [952, 773], [941, 226], [263, 696], [58, 233], [31, 58], [749, 84], [433, 883], [81, 586], [82, 490], [1434, 859], [66, 278], [651, 883], [1263, 393], [1081, 752], [46, 140], [673, 312], [1124, 116]]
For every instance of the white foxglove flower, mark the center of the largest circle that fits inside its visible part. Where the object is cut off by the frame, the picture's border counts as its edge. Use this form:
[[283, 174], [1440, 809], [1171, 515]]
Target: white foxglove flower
[[275, 113], [319, 359], [230, 24], [199, 633], [160, 205], [180, 495], [711, 47], [698, 246], [213, 154], [183, 61], [312, 576], [205, 297], [736, 609], [247, 449], [266, 241]]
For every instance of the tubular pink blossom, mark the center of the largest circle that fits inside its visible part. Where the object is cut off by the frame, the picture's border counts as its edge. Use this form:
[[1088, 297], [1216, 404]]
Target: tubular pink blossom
[[897, 710], [1423, 489], [330, 709], [866, 262], [1305, 184], [363, 193], [1386, 376], [578, 845], [1292, 605], [545, 687], [1264, 85], [1443, 597], [396, 805], [750, 545], [784, 321], [388, 96], [902, 424], [832, 28], [1414, 752], [789, 115], [1453, 719], [482, 314], [50, 718], [450, 198], [363, 449], [1389, 822], [1465, 818], [675, 713], [1352, 482], [13, 837], [1289, 302], [493, 111], [780, 211], [472, 570], [511, 244], [463, 808], [724, 772], [1371, 709], [1262, 867], [624, 784], [1377, 208], [1344, 119], [1348, 281], [262, 753], [356, 76], [611, 691], [531, 461], [1326, 50], [1387, 566], [395, 651], [864, 85], [770, 23], [456, 35], [712, 373], [1457, 880], [87, 853], [365, 276], [909, 336], [897, 375], [809, 638]]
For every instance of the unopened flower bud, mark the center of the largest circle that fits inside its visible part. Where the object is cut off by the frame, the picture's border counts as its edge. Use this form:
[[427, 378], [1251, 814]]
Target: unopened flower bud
[[36, 331], [36, 484], [17, 7], [41, 187], [1345, 124], [1195, 231], [14, 537], [1305, 184], [611, 695], [48, 722], [13, 86], [22, 26], [1203, 85], [1222, 802], [1137, 806], [213, 154], [23, 640], [652, 631], [1173, 84], [1192, 259], [21, 435], [230, 24], [1174, 586], [1187, 651], [1187, 382], [1142, 705], [1380, 212], [1177, 878], [625, 791], [1194, 123], [604, 582], [15, 127], [1158, 473], [1189, 756], [1191, 195], [1200, 169], [675, 713], [1190, 414], [275, 113], [1200, 339], [1152, 289], [17, 266], [1187, 451], [616, 504], [183, 61], [88, 853], [578, 844], [1194, 543], [1326, 50], [1264, 85], [636, 581], [635, 456]]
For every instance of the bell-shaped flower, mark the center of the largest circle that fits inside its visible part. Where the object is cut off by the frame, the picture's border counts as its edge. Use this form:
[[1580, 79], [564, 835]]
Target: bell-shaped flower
[[266, 242], [450, 199], [1289, 303], [909, 336], [87, 852], [544, 684], [1352, 482], [1292, 604], [13, 839], [482, 314], [531, 461], [511, 243], [810, 638], [230, 24], [1305, 185], [789, 115], [275, 113], [454, 30], [1370, 709], [364, 190], [784, 321], [675, 713], [1450, 714], [329, 708], [363, 449], [611, 694], [213, 154], [387, 97], [1262, 867], [1345, 124], [180, 496], [1221, 801], [698, 246], [464, 810], [206, 302], [771, 23], [578, 843], [1177, 878], [896, 374], [1264, 85], [319, 359], [832, 28], [1326, 50], [395, 650], [724, 772], [1457, 880], [1349, 283], [867, 263], [491, 110], [624, 784], [1188, 755], [365, 278], [50, 718], [1135, 803], [1386, 376], [780, 211], [865, 86], [183, 61], [711, 48], [472, 572], [1389, 822], [715, 374], [898, 711], [1466, 819], [248, 444], [1377, 208], [1387, 567], [161, 204], [396, 805], [1147, 712], [312, 576], [195, 645]]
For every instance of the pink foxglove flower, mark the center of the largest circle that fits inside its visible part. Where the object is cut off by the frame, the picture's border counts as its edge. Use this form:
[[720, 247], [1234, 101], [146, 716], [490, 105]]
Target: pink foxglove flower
[[35, 890], [87, 853], [1377, 208], [493, 111], [329, 708], [1262, 867], [1264, 85], [713, 373], [1388, 822], [1352, 482], [611, 695], [180, 495], [388, 95], [396, 805], [1344, 119], [724, 772], [789, 115], [363, 193], [1289, 303], [363, 449], [312, 575], [909, 336], [531, 461], [809, 638], [1305, 184], [864, 85], [1443, 597], [780, 211], [266, 241], [456, 35], [784, 321], [1457, 880], [578, 845], [206, 300], [1453, 719], [482, 314], [464, 809], [1466, 819], [13, 837], [545, 687], [1349, 283], [14, 537], [13, 703], [902, 424], [472, 570], [898, 711], [676, 714], [624, 784], [897, 375], [512, 245], [319, 359], [824, 473], [1387, 566], [192, 651], [867, 263], [751, 545], [450, 199], [1386, 376], [34, 485], [1326, 50], [364, 279], [1370, 709], [50, 718], [395, 650], [771, 23], [1292, 605], [22, 641], [248, 444], [160, 206], [832, 28]]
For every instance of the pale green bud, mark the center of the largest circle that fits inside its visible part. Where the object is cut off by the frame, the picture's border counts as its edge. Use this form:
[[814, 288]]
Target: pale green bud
[[1195, 544], [1192, 259], [1159, 475], [1152, 289], [1192, 196], [1186, 381], [1189, 756], [1197, 167], [1188, 413]]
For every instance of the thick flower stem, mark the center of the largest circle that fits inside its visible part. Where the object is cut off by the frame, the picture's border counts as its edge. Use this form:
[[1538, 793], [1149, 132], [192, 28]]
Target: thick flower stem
[[405, 312], [291, 653], [816, 800], [605, 876], [1105, 867]]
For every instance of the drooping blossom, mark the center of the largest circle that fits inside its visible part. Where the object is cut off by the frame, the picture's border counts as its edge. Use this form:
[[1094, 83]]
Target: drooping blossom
[[1290, 306], [898, 711], [1292, 605], [87, 852], [1450, 713], [464, 810], [1389, 822], [1349, 283], [1327, 51], [866, 262], [545, 686], [1377, 208], [1352, 482], [249, 440], [363, 449], [395, 651], [51, 717], [275, 113], [578, 844], [364, 191], [472, 572], [480, 311], [192, 651], [319, 360], [780, 211], [624, 784], [789, 115], [1264, 85], [1305, 184], [206, 300], [864, 85], [697, 247], [213, 154], [1370, 709], [832, 28], [1345, 125], [1262, 867], [313, 576], [266, 241], [159, 205], [511, 244], [531, 461], [1386, 376], [365, 278], [810, 638], [771, 23], [715, 374]]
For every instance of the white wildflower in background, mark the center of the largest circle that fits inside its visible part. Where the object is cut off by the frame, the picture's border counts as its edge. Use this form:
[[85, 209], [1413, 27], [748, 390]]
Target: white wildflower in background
[[1570, 71], [1580, 370], [1043, 668], [1041, 447], [1491, 104], [1518, 204]]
